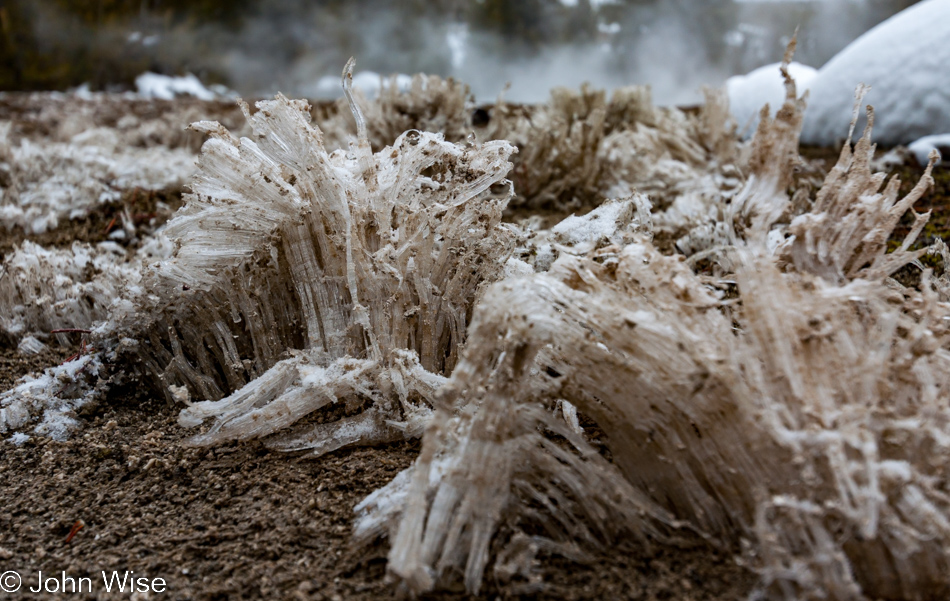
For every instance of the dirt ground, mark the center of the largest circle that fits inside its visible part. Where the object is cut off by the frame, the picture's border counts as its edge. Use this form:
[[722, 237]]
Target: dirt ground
[[238, 521]]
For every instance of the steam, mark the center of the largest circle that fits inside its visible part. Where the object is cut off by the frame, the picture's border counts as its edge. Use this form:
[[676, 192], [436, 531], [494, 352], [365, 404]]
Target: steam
[[676, 46]]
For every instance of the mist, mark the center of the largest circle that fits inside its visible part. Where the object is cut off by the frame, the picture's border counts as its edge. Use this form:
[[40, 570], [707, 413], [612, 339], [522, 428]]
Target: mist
[[520, 49]]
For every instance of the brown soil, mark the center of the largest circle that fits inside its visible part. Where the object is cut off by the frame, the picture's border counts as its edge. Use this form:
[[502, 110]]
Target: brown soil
[[238, 521], [39, 115]]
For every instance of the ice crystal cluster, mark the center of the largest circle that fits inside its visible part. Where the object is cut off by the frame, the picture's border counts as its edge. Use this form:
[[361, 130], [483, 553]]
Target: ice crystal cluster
[[355, 280], [580, 147], [42, 290], [66, 158], [428, 103], [304, 279], [574, 150]]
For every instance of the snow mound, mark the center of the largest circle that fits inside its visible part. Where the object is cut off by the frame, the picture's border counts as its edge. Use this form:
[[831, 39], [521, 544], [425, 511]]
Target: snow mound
[[750, 92], [369, 83], [165, 87], [922, 148], [904, 60]]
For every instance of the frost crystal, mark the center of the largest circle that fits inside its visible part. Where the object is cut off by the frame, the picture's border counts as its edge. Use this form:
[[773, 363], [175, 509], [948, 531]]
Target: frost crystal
[[580, 147], [56, 395], [45, 182], [367, 264], [772, 391], [43, 290], [428, 103]]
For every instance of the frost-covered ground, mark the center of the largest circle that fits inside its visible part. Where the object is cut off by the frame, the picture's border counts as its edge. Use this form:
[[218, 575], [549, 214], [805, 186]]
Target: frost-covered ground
[[727, 344]]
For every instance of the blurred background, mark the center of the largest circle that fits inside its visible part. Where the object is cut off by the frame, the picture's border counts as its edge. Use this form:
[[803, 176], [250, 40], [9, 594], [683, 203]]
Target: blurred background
[[258, 47]]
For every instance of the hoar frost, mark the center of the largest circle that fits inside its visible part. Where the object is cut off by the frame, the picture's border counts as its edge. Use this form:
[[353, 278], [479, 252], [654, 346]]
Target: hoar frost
[[363, 266], [44, 183]]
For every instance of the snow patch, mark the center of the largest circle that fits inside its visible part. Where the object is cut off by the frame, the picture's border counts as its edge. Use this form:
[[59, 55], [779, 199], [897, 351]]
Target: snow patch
[[765, 85], [56, 394], [55, 181], [19, 438], [369, 83], [922, 148], [165, 87], [904, 60]]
